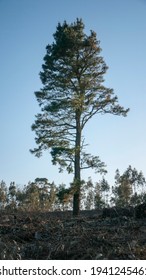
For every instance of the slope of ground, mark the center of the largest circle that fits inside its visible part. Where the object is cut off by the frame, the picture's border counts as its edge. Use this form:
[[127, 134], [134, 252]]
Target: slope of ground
[[54, 236]]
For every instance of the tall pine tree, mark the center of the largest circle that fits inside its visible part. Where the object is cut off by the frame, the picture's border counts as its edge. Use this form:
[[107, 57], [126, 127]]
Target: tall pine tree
[[72, 93]]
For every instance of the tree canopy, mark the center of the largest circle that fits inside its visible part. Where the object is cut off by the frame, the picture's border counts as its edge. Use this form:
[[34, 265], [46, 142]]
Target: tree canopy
[[72, 93]]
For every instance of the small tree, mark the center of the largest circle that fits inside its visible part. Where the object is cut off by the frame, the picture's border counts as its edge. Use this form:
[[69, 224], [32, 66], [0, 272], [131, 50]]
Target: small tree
[[105, 187], [32, 201], [90, 194], [72, 93], [101, 193], [3, 195], [129, 187], [21, 198], [12, 195], [98, 199], [64, 197], [122, 190], [52, 196], [43, 189]]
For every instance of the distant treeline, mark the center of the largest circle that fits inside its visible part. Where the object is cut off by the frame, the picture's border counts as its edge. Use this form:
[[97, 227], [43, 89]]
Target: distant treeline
[[129, 189]]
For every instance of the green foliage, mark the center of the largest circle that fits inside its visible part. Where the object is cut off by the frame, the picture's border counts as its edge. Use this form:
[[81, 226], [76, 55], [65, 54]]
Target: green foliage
[[64, 196], [127, 186], [72, 77], [89, 190], [101, 194], [95, 196], [41, 195]]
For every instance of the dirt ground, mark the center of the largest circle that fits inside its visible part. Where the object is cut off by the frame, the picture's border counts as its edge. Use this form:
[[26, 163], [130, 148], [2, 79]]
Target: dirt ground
[[59, 236]]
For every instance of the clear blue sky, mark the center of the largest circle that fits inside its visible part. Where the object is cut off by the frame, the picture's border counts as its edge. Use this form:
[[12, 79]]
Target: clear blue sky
[[26, 27]]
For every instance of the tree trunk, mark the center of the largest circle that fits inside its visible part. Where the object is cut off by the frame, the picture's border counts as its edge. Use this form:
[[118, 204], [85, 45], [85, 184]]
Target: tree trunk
[[77, 170]]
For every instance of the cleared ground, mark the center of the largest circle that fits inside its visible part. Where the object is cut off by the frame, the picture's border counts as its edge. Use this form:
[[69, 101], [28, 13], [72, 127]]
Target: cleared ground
[[60, 236]]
